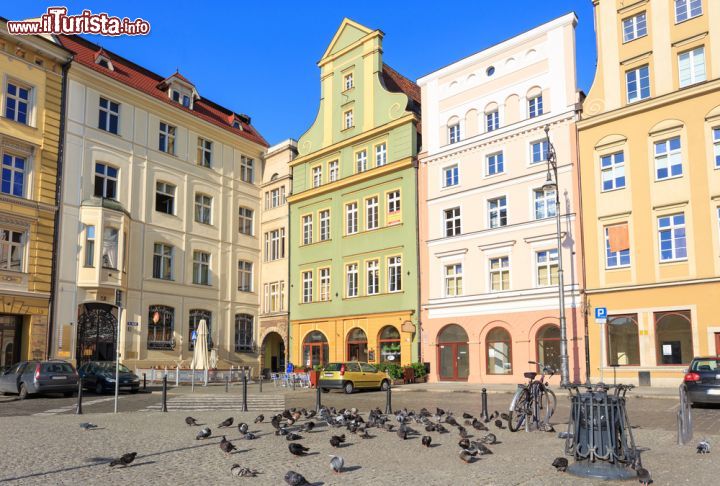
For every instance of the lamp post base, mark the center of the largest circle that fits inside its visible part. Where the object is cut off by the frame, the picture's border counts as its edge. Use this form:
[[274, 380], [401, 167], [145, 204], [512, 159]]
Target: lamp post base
[[602, 470]]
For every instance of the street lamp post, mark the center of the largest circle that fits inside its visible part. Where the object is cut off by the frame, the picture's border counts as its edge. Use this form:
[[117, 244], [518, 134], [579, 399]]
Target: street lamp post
[[550, 184]]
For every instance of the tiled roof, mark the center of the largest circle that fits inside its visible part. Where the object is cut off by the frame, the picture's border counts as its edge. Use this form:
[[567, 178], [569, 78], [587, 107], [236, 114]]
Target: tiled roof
[[394, 81], [135, 76]]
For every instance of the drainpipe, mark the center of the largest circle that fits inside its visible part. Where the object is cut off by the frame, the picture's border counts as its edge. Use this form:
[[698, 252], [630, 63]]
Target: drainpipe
[[418, 259], [58, 201], [289, 284]]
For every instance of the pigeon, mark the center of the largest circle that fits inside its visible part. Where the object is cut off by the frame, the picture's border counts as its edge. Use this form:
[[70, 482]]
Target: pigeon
[[547, 427], [190, 421], [226, 423], [259, 419], [439, 412], [402, 433], [242, 472], [249, 436], [388, 426], [336, 440], [451, 420], [464, 444], [478, 425], [430, 428], [426, 440], [467, 456], [643, 476], [482, 449], [204, 433], [297, 449], [87, 426], [243, 427], [560, 463], [226, 446], [441, 429], [124, 460], [466, 415], [282, 431], [308, 426], [494, 415], [293, 478], [463, 432], [565, 435], [336, 463], [505, 417], [489, 439], [275, 422], [703, 447], [499, 424], [291, 436]]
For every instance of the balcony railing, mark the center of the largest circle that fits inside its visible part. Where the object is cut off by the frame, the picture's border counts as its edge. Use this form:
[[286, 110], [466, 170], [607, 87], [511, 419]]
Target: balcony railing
[[162, 345]]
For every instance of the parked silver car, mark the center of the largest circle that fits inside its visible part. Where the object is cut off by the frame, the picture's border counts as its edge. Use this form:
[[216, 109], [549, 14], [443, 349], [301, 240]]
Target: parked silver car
[[32, 377]]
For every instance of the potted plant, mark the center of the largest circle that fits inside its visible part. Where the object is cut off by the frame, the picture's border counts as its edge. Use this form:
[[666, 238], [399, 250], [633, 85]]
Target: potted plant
[[314, 374]]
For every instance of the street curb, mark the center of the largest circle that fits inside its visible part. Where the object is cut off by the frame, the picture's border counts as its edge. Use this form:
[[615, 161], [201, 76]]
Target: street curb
[[558, 393]]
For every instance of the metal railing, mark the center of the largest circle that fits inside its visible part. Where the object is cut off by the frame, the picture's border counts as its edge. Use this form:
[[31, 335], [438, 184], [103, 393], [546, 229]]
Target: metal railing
[[180, 376], [684, 418]]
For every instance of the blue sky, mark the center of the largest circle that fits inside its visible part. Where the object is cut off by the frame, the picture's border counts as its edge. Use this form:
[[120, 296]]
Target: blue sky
[[260, 58]]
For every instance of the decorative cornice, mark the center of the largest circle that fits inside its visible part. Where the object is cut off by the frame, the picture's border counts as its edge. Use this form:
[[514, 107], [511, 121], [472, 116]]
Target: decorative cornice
[[28, 203]]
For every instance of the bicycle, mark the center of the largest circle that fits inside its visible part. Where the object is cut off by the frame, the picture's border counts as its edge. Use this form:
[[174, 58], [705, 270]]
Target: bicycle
[[532, 400]]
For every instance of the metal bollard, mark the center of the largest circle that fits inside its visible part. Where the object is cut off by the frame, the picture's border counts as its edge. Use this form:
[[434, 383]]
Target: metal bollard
[[388, 400], [318, 400], [78, 409], [244, 395], [260, 383], [227, 383], [144, 382], [484, 412], [164, 394], [292, 378]]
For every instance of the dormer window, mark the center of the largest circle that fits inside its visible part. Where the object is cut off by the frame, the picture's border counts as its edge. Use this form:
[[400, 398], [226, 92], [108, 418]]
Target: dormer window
[[180, 90], [182, 98], [103, 60], [236, 123]]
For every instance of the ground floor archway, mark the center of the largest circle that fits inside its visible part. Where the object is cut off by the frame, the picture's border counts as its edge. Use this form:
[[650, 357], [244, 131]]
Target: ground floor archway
[[96, 332], [273, 353], [453, 354]]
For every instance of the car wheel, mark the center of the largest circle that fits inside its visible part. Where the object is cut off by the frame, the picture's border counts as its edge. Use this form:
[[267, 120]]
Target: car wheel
[[99, 388], [325, 390], [23, 392], [384, 385], [349, 388]]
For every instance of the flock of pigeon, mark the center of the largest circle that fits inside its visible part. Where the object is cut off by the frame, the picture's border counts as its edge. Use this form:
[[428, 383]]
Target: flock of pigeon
[[287, 424]]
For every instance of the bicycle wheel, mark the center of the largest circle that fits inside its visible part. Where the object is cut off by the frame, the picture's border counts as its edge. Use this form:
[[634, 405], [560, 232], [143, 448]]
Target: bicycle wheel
[[518, 413], [548, 402]]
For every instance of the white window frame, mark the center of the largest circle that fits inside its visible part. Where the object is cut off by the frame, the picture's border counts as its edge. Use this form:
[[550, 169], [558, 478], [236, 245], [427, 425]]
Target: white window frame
[[348, 82], [9, 245], [351, 218], [166, 189], [325, 225], [275, 245], [673, 228], [492, 120], [90, 245], [543, 146], [454, 133], [203, 208], [668, 159], [456, 278], [696, 71], [166, 139], [18, 100], [498, 212], [393, 201], [616, 255], [307, 224], [535, 106], [454, 172], [372, 213], [109, 114], [547, 206], [635, 75], [317, 176], [496, 160], [503, 268], [455, 219], [22, 173], [307, 286], [201, 261], [361, 164], [351, 280], [324, 278], [372, 277], [205, 152], [333, 170], [716, 145], [246, 221], [551, 260], [348, 117], [634, 27], [394, 279], [247, 169], [687, 9], [105, 179], [380, 154], [613, 171]]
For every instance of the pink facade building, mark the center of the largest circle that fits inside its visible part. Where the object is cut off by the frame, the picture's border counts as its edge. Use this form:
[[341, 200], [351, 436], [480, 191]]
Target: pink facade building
[[489, 256]]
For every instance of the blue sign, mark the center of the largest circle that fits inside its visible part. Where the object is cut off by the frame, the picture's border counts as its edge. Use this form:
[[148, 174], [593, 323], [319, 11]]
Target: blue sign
[[193, 336], [600, 312]]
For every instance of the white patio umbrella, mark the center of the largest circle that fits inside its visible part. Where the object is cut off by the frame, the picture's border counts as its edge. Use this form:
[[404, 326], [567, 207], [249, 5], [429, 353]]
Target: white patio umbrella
[[201, 359]]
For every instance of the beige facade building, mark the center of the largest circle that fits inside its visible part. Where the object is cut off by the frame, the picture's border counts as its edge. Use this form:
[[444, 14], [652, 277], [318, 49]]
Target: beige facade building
[[276, 186]]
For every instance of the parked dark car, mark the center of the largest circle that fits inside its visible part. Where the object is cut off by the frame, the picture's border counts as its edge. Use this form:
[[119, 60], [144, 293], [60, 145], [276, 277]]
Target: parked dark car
[[33, 377], [702, 380], [100, 377]]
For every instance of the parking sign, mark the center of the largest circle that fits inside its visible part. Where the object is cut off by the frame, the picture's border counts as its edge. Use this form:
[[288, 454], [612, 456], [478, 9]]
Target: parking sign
[[601, 315]]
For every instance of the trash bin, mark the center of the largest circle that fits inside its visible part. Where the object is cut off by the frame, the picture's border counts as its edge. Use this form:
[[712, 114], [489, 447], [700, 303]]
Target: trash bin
[[408, 375]]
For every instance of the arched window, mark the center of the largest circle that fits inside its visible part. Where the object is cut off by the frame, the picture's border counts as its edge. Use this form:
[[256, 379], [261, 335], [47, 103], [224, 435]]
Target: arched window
[[244, 333], [673, 337], [453, 353], [357, 345], [196, 315], [548, 346], [389, 342], [161, 323], [315, 349], [623, 342], [499, 352]]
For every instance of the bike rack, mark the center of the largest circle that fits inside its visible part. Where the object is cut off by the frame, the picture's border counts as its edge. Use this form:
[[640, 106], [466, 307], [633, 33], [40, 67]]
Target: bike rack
[[599, 433]]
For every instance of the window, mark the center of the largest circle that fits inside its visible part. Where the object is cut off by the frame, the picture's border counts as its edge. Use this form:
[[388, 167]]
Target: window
[[499, 349], [325, 225], [497, 212], [197, 315], [245, 276], [315, 349], [204, 152], [535, 106], [333, 171], [348, 81], [451, 176], [371, 213], [623, 340], [307, 229], [634, 27], [161, 323], [17, 102], [164, 198], [548, 346], [110, 248], [275, 198], [182, 98], [307, 285], [203, 209], [275, 245], [691, 66], [108, 116], [90, 246], [245, 221], [668, 159], [13, 175], [716, 144], [247, 169], [393, 200], [637, 82], [492, 120], [324, 284], [452, 222], [394, 274], [166, 142], [617, 246], [274, 296], [687, 9], [373, 277], [106, 178], [545, 203], [357, 349], [453, 280], [539, 151], [499, 274], [671, 233], [348, 119], [454, 133], [494, 164], [201, 267], [12, 250], [317, 176], [380, 155], [673, 337], [389, 342], [546, 263], [351, 279], [351, 218], [612, 170], [162, 261], [361, 161], [244, 333]]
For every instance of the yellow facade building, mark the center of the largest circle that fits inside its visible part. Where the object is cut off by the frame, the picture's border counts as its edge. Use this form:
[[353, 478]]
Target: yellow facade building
[[31, 72], [650, 169]]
